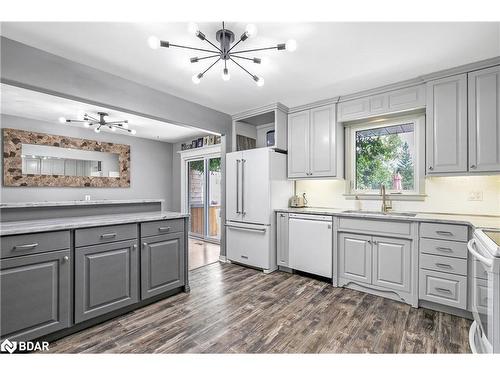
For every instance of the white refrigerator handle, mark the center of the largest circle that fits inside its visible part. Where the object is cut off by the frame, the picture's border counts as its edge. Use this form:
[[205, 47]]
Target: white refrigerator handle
[[238, 186], [243, 186]]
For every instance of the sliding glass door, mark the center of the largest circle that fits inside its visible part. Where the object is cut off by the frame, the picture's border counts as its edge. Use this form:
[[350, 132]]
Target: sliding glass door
[[204, 197]]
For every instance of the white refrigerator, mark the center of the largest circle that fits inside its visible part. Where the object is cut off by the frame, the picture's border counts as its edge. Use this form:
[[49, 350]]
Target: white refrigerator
[[256, 185]]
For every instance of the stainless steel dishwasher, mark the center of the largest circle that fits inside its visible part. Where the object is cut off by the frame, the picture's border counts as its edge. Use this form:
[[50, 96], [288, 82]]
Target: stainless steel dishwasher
[[310, 243]]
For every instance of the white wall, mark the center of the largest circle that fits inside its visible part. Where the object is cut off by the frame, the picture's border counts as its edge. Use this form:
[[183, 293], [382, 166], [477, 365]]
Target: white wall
[[444, 194], [150, 167]]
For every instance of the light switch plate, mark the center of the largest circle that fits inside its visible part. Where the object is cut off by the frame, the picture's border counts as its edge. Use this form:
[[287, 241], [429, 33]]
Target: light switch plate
[[475, 196]]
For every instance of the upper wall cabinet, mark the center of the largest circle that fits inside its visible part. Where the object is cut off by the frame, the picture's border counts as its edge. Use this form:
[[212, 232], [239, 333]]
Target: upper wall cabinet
[[484, 120], [315, 143], [446, 125], [385, 103]]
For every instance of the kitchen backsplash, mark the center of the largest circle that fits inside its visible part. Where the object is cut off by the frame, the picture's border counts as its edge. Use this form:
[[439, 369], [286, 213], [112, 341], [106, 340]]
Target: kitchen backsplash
[[444, 194]]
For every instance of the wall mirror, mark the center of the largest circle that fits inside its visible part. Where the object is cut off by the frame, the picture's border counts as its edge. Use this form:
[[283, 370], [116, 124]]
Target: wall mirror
[[38, 159]]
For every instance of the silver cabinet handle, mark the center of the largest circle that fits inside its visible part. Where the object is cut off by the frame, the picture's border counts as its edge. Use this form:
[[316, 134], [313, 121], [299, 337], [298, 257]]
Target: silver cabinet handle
[[164, 229], [443, 265], [445, 249], [144, 244], [238, 186], [108, 235], [245, 228], [282, 215], [244, 256], [243, 186], [25, 247], [66, 258], [443, 290], [134, 247], [444, 233]]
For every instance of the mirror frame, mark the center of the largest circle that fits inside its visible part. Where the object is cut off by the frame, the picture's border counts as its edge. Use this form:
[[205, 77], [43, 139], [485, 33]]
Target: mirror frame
[[13, 140]]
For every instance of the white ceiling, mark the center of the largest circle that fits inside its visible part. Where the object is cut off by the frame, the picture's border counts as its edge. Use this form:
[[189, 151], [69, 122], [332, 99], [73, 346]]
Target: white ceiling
[[20, 102], [332, 58]]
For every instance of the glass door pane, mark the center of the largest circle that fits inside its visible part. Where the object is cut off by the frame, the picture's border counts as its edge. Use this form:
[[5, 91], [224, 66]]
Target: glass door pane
[[214, 198], [196, 196]]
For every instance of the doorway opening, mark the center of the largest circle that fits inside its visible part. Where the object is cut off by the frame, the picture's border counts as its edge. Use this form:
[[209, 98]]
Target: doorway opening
[[204, 206]]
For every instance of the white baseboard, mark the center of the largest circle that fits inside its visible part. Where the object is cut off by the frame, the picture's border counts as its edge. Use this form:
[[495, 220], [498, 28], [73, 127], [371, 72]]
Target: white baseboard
[[222, 259]]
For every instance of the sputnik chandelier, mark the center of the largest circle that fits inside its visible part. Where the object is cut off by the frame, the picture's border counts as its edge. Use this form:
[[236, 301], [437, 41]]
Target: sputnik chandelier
[[225, 52], [92, 122]]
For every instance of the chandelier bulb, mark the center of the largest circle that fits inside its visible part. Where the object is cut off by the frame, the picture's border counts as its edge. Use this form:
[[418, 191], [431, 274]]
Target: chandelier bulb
[[259, 81], [113, 128], [291, 45], [133, 131], [86, 124], [62, 120], [196, 78], [225, 75], [193, 28], [251, 30], [97, 130], [153, 42]]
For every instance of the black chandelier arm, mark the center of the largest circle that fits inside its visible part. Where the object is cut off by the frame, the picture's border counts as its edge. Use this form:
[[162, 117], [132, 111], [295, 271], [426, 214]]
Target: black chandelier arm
[[213, 45], [196, 59], [253, 59], [234, 45], [210, 67], [254, 50], [250, 74], [115, 122], [191, 48], [90, 117]]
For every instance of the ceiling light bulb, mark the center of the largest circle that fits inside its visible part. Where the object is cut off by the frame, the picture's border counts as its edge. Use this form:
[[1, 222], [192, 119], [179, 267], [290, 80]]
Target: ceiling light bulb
[[251, 30], [193, 28], [86, 124], [225, 75], [291, 45], [153, 42], [259, 81], [196, 78], [113, 129], [133, 132], [62, 120], [80, 115], [125, 125], [97, 130]]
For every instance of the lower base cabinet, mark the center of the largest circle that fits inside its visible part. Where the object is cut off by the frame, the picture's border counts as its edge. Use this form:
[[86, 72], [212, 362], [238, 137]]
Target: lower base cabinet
[[162, 264], [382, 262], [106, 278], [35, 295]]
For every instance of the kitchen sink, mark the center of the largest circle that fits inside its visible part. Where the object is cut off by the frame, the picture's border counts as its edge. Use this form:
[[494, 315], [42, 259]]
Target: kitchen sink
[[380, 213]]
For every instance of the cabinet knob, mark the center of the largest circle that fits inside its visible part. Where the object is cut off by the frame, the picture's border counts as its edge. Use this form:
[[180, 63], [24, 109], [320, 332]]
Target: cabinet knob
[[430, 167], [282, 215], [66, 258], [473, 166]]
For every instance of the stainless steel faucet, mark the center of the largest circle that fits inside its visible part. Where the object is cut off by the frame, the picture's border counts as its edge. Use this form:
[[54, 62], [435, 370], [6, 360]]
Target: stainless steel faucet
[[386, 204]]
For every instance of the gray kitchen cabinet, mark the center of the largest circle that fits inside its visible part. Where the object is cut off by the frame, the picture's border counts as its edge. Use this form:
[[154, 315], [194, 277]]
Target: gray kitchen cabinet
[[106, 278], [298, 144], [392, 263], [314, 143], [35, 295], [162, 264], [282, 239], [446, 125], [355, 257], [484, 120]]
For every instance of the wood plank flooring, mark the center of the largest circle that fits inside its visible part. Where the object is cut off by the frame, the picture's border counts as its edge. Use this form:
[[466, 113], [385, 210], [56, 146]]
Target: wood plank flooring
[[232, 309]]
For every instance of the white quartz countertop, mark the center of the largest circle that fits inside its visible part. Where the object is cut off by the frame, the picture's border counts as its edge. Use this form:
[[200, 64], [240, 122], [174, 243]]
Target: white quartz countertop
[[49, 225], [78, 203], [476, 221]]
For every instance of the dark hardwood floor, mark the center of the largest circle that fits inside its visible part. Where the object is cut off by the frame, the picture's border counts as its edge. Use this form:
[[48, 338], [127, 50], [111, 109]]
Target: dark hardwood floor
[[232, 309]]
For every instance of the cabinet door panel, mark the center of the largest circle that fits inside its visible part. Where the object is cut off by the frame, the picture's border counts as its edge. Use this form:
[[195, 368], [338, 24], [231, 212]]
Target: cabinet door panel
[[106, 278], [392, 263], [446, 125], [322, 142], [35, 295], [355, 257], [162, 264], [484, 120], [298, 144]]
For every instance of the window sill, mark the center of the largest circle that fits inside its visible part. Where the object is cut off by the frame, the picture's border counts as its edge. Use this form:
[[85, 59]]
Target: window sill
[[391, 197]]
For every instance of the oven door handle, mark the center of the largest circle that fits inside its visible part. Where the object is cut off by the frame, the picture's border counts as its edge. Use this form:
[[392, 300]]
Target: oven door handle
[[475, 253]]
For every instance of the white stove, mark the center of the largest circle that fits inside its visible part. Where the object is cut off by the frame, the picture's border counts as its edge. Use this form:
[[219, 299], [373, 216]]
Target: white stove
[[484, 335]]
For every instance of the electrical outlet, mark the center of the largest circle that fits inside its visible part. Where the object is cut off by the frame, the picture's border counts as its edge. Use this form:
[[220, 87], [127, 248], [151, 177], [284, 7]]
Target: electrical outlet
[[475, 196]]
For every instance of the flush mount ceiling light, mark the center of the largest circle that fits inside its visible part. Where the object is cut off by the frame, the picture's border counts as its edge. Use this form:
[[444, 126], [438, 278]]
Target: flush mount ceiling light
[[225, 52], [89, 122]]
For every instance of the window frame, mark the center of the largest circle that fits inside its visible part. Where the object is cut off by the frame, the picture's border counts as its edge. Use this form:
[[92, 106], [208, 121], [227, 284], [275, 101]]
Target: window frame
[[418, 121]]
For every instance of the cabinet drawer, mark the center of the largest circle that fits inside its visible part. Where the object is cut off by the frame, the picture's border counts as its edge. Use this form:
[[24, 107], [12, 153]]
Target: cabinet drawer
[[154, 228], [446, 289], [443, 247], [27, 244], [112, 233], [389, 227], [444, 264], [444, 231]]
